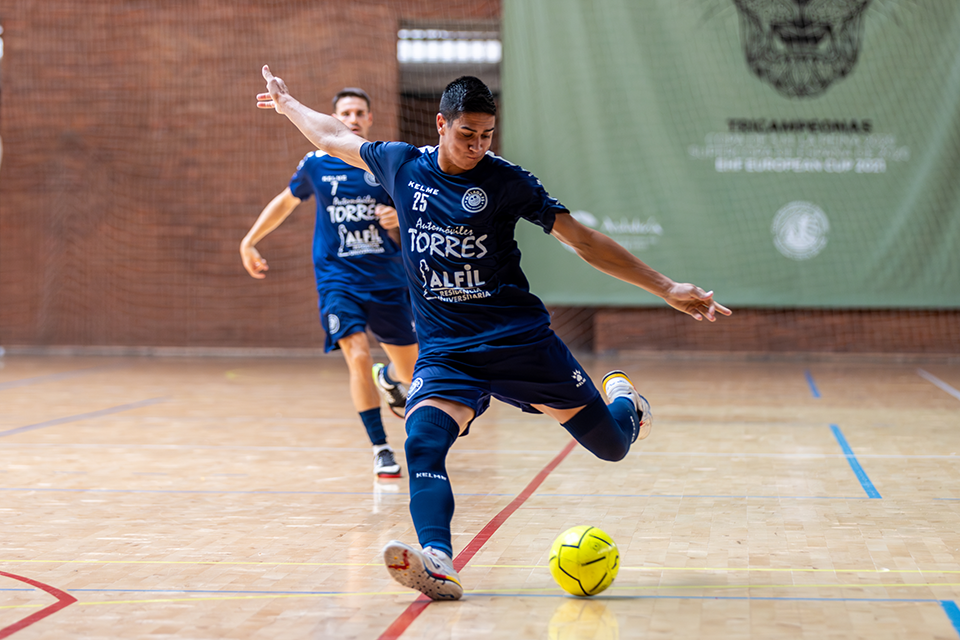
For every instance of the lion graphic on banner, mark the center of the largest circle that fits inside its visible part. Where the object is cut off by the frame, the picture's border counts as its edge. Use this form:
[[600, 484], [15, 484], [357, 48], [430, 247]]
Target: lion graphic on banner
[[801, 47]]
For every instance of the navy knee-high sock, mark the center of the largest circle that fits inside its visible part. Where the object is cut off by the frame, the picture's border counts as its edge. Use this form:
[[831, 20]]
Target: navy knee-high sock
[[604, 430], [430, 434], [373, 423]]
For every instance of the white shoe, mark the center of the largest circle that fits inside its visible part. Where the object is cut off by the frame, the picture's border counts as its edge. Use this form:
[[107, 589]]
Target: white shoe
[[429, 571], [385, 465], [616, 384]]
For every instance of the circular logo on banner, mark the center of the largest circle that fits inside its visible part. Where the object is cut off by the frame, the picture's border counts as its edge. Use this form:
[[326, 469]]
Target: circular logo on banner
[[800, 230], [370, 179], [333, 323], [474, 200]]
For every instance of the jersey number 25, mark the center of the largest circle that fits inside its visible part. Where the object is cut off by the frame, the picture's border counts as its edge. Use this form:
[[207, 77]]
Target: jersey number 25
[[419, 201]]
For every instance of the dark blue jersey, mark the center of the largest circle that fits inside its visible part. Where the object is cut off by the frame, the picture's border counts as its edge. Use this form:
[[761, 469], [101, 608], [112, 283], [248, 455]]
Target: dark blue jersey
[[350, 248], [459, 252]]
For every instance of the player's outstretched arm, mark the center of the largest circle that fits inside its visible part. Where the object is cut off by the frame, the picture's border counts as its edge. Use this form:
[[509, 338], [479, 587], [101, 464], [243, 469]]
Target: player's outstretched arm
[[325, 132], [604, 254], [270, 218]]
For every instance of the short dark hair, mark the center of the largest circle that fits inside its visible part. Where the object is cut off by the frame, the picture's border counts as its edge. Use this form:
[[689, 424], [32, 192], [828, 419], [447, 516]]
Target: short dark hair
[[351, 92], [466, 94]]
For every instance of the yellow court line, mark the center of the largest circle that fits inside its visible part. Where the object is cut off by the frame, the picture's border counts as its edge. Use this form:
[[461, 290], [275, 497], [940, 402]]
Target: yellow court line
[[727, 569], [797, 586], [798, 570], [267, 596], [478, 566]]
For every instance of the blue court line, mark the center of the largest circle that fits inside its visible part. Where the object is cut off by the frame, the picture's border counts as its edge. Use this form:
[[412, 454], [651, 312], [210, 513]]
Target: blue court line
[[52, 377], [852, 459], [83, 416], [929, 377], [813, 385], [949, 606], [953, 613]]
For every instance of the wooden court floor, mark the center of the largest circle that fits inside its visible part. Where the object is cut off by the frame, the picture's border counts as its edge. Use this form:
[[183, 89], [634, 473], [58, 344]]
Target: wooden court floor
[[234, 498]]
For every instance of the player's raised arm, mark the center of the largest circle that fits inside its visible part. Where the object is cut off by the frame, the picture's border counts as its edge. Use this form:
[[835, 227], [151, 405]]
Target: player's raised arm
[[326, 132], [606, 255]]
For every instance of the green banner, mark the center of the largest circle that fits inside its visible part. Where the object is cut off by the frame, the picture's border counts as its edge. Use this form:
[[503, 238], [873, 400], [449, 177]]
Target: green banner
[[780, 152]]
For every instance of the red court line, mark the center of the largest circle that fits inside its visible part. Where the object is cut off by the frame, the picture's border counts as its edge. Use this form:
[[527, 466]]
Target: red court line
[[64, 599], [403, 622]]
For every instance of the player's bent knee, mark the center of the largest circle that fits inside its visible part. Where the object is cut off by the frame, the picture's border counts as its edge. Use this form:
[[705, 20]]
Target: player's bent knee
[[595, 428], [614, 453]]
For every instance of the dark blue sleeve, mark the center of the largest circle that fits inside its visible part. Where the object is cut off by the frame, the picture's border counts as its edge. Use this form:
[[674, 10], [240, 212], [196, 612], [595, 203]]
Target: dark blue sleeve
[[536, 205], [301, 184], [384, 160]]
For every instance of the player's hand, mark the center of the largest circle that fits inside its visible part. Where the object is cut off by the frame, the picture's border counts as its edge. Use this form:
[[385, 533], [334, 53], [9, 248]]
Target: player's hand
[[275, 89], [387, 216], [253, 262], [695, 302]]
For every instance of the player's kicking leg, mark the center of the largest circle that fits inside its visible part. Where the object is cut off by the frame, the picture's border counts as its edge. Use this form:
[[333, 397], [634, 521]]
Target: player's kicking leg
[[617, 385], [608, 430]]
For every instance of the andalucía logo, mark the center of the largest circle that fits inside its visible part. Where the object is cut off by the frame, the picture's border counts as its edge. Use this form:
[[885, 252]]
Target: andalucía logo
[[474, 200], [800, 230]]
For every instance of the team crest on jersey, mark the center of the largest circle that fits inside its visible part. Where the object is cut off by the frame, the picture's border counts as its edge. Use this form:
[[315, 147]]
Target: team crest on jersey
[[333, 323], [414, 387], [474, 200], [370, 179]]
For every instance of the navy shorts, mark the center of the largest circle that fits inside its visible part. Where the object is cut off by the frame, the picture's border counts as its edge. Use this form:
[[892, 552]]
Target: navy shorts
[[387, 312], [541, 371]]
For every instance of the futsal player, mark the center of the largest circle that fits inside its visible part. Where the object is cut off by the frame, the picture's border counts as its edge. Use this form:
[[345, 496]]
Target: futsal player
[[360, 280], [482, 333]]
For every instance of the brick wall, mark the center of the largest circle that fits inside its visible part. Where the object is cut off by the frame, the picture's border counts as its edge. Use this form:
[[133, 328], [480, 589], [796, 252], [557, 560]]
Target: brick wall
[[135, 160]]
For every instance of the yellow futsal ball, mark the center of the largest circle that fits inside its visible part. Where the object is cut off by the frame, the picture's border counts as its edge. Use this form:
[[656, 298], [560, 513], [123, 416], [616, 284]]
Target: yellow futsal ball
[[584, 560]]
